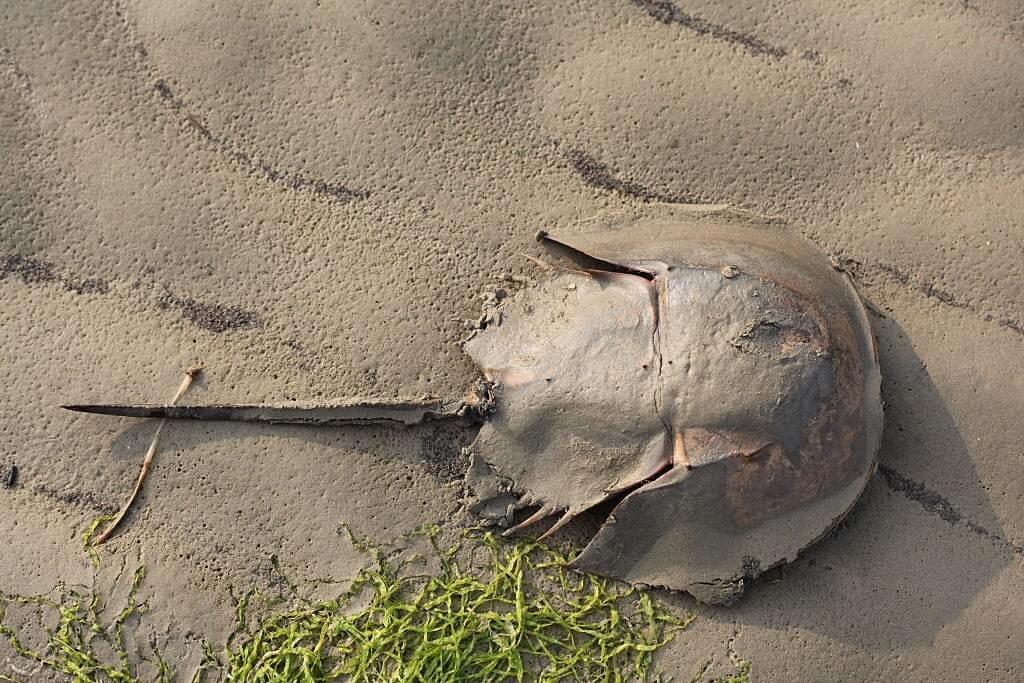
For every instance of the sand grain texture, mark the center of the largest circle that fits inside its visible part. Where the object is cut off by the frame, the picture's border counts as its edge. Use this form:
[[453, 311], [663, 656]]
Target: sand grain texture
[[307, 198]]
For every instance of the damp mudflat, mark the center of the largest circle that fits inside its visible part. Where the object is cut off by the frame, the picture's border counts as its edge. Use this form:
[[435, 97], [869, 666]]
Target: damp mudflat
[[346, 180]]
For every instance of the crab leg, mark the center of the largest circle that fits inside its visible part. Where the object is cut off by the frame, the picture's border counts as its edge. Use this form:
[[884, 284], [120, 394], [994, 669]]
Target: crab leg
[[571, 514], [566, 517], [529, 521]]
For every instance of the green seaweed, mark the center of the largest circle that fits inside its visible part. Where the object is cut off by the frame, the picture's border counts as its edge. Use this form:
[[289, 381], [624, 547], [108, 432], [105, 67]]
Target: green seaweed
[[479, 609], [742, 674], [524, 617], [90, 533], [75, 643]]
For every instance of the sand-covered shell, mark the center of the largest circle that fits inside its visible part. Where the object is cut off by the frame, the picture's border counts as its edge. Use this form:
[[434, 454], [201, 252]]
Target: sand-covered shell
[[707, 369]]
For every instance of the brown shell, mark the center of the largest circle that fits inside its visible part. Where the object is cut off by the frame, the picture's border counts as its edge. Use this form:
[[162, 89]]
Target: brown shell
[[711, 369]]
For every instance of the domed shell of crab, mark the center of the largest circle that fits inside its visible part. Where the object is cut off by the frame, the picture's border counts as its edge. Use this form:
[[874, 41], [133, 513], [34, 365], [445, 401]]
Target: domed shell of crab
[[770, 387]]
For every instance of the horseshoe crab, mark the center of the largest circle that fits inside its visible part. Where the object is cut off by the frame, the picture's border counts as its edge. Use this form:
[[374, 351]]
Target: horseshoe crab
[[709, 374]]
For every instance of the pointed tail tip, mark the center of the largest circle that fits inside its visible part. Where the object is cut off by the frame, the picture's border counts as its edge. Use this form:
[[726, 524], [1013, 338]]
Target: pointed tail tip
[[78, 407], [97, 408]]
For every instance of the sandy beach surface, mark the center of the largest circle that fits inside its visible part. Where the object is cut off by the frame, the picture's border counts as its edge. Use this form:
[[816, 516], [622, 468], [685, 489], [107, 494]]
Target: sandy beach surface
[[308, 198]]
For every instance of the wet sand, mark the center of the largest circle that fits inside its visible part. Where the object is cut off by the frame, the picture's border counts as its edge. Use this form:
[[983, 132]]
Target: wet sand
[[308, 199]]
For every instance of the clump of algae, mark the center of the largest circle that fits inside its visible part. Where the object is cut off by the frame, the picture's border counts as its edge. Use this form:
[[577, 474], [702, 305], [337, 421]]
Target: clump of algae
[[517, 614], [524, 617], [81, 644]]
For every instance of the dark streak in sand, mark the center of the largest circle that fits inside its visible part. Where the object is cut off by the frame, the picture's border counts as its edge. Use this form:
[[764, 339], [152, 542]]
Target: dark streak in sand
[[248, 162], [598, 175], [32, 271], [666, 12], [79, 499], [930, 290], [939, 506], [214, 317], [9, 476], [295, 181]]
